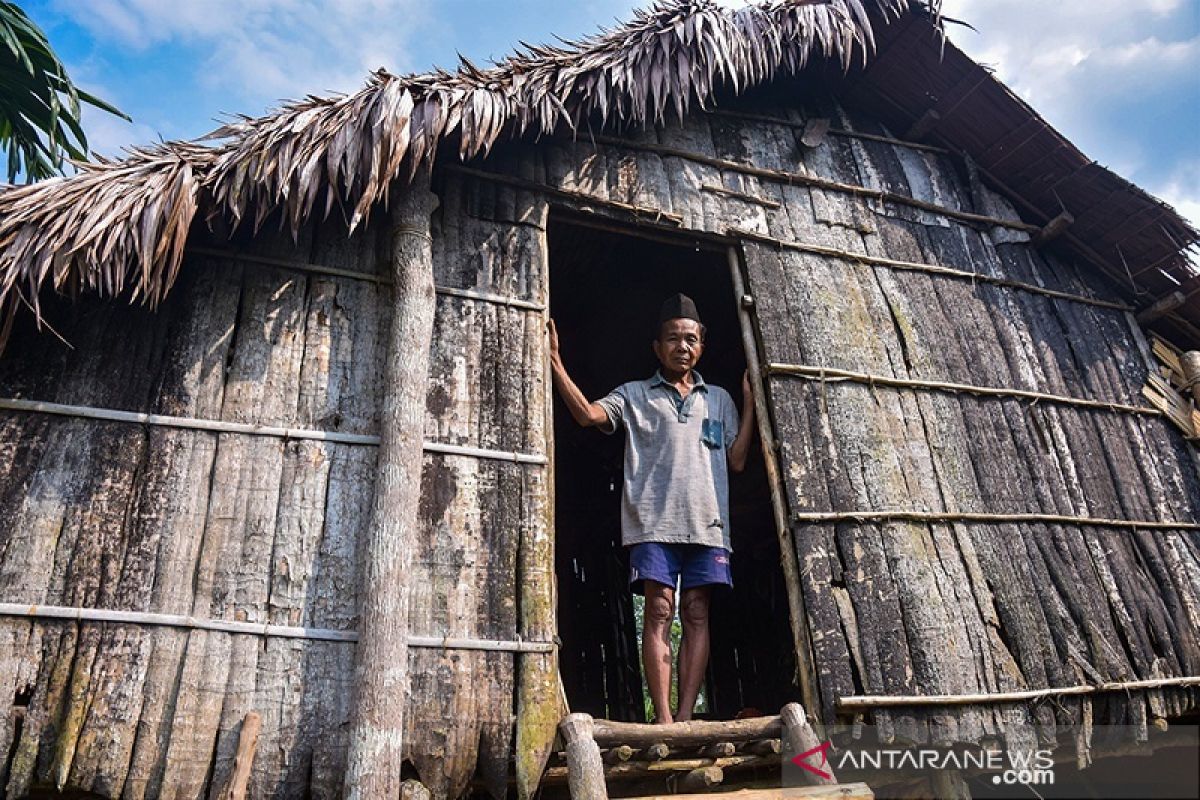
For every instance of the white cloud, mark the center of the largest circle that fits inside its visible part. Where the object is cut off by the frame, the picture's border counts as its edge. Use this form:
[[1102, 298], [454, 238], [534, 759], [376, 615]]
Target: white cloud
[[264, 51], [1182, 190]]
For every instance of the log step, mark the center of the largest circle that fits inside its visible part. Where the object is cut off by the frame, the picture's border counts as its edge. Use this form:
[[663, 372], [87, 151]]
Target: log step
[[842, 791]]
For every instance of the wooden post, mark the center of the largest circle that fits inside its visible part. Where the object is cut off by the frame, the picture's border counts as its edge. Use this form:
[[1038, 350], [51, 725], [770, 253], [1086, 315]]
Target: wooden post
[[806, 670], [239, 780], [585, 769], [799, 737], [381, 659]]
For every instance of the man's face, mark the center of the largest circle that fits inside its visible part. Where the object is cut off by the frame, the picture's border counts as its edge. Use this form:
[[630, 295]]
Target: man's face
[[679, 345]]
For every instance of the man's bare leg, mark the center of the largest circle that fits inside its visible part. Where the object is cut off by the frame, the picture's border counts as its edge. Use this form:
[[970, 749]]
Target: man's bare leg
[[657, 616], [693, 648]]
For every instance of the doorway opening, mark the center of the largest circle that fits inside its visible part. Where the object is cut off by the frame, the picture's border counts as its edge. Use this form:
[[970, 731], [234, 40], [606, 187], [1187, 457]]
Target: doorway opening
[[605, 291]]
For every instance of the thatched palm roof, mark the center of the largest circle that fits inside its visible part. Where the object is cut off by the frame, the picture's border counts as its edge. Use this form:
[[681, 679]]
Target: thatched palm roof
[[121, 226]]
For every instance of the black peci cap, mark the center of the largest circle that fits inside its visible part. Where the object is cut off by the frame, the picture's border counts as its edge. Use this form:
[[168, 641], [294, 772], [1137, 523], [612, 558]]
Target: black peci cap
[[678, 306]]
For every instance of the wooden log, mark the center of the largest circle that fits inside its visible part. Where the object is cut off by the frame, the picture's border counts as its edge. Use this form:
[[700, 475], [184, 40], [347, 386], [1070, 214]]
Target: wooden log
[[846, 791], [412, 789], [701, 780], [765, 747], [1161, 307], [799, 737], [923, 126], [1053, 229], [618, 755], [239, 780], [381, 658], [693, 733], [654, 752], [815, 130], [718, 750], [539, 707], [585, 769]]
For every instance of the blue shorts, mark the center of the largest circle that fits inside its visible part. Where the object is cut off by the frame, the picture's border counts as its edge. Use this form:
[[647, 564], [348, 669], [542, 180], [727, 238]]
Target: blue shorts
[[696, 564]]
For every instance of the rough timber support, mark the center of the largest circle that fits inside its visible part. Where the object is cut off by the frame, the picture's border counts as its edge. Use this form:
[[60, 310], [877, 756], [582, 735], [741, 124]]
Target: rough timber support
[[381, 663]]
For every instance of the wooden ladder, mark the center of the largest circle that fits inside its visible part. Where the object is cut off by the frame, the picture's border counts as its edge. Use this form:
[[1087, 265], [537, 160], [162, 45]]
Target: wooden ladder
[[694, 755]]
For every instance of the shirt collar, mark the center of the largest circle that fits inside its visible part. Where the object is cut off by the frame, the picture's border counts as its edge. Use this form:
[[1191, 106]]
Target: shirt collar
[[697, 381]]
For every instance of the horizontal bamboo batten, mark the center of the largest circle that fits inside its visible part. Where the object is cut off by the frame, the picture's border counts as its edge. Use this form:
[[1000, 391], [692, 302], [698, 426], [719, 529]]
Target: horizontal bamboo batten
[[866, 702], [871, 137], [796, 178], [932, 269], [831, 375], [654, 214], [982, 518], [257, 628], [250, 429], [320, 269]]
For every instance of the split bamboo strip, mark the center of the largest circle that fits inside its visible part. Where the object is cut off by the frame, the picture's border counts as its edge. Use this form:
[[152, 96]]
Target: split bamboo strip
[[221, 426], [749, 198], [780, 176], [371, 277], [578, 197], [932, 269], [831, 375], [866, 702], [982, 518], [832, 131], [26, 610]]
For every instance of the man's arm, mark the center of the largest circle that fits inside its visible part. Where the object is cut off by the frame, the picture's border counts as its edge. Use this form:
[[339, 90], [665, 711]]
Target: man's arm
[[585, 413], [741, 445]]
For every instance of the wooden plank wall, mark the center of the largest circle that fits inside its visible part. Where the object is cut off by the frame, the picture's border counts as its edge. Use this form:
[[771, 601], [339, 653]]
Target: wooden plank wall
[[230, 526], [920, 609]]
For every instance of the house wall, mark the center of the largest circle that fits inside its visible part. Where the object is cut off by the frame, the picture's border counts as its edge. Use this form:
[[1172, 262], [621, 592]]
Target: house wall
[[229, 526], [905, 608]]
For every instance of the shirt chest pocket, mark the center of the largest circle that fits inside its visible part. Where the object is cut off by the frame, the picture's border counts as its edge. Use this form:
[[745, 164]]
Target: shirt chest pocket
[[712, 433]]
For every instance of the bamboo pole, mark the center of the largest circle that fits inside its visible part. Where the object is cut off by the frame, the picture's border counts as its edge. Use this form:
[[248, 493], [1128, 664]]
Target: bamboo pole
[[805, 662], [381, 659], [867, 702], [831, 375], [251, 429], [932, 269], [984, 518], [780, 176]]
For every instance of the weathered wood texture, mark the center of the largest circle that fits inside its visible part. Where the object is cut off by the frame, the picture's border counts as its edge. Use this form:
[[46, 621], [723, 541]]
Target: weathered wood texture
[[261, 529], [914, 608]]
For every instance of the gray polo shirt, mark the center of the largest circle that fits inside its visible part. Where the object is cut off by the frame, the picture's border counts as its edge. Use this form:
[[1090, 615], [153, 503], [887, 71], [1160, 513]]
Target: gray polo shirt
[[676, 481]]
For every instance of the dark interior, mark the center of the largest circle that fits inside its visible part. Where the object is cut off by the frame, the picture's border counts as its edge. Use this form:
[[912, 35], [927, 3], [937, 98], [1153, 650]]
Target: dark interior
[[605, 293]]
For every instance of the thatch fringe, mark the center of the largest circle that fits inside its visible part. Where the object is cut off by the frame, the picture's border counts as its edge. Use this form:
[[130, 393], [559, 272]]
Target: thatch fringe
[[121, 226]]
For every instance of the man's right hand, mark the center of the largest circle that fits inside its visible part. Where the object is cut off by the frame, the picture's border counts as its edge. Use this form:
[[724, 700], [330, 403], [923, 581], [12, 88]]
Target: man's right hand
[[553, 332]]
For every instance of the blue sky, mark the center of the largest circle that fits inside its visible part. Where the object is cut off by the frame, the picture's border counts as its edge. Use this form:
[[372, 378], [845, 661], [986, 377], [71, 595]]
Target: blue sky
[[1120, 78]]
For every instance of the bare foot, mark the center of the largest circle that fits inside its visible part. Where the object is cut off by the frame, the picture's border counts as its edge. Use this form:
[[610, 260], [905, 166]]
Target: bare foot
[[681, 717], [664, 721]]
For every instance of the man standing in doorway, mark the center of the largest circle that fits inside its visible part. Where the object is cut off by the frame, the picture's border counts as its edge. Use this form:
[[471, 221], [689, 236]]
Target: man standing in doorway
[[680, 434]]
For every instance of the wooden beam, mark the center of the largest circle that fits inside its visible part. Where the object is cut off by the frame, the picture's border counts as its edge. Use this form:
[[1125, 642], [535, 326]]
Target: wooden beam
[[800, 738], [376, 734], [702, 779], [867, 702], [1053, 229], [923, 126], [1161, 307]]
